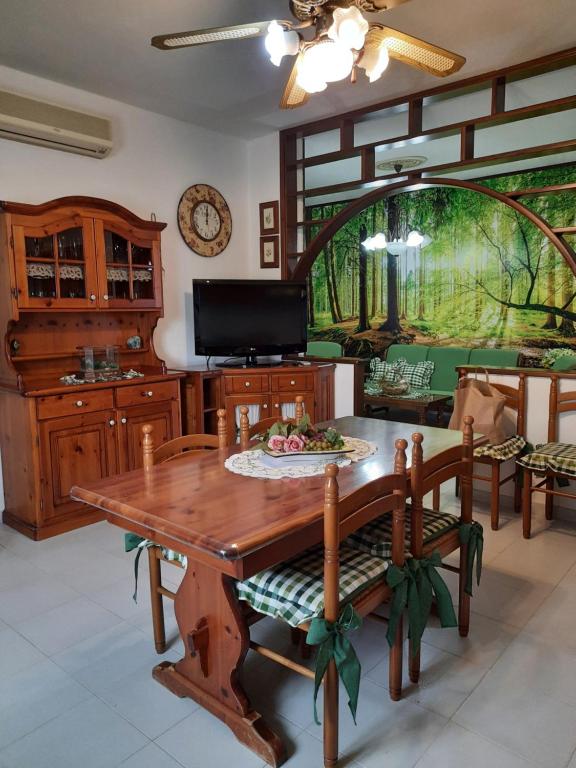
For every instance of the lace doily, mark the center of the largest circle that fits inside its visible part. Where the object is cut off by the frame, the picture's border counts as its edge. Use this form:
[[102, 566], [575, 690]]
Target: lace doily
[[251, 463], [118, 274], [67, 271]]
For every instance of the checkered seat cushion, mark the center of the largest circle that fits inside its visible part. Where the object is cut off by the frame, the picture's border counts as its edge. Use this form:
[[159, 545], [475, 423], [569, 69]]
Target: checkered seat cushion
[[556, 457], [503, 451], [294, 591], [376, 537]]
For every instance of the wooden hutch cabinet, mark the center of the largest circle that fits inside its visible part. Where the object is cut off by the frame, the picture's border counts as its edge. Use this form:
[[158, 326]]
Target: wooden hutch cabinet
[[76, 272], [266, 392]]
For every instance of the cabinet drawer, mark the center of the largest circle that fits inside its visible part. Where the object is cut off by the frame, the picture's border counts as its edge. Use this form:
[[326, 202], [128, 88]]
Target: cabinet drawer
[[235, 385], [146, 393], [75, 403], [293, 382]]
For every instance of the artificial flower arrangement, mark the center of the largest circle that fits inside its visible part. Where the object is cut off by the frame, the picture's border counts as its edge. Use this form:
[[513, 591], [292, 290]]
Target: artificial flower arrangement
[[290, 437]]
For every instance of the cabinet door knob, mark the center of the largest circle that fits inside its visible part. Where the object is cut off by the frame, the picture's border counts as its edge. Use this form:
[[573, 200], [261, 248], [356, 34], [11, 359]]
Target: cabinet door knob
[[276, 405], [112, 422], [80, 403], [246, 383], [105, 297], [264, 406], [147, 393], [292, 382], [123, 420], [92, 297]]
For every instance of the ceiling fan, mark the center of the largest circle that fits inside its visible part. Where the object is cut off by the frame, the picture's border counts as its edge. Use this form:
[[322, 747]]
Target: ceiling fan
[[343, 42]]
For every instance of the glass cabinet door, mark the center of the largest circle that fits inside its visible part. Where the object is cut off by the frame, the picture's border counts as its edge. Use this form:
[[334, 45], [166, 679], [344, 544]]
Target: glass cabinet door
[[130, 263], [55, 265]]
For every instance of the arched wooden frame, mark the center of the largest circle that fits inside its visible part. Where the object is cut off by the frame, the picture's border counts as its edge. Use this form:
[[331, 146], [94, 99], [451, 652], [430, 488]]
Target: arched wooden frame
[[415, 185]]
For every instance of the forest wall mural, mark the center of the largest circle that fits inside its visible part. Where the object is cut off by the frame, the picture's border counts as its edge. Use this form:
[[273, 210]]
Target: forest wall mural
[[485, 276]]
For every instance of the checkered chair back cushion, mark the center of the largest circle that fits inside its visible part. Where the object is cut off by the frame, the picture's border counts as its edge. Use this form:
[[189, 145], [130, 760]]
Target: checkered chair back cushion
[[294, 591], [376, 537]]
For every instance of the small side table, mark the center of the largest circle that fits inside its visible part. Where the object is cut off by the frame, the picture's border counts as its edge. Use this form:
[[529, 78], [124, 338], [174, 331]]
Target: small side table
[[420, 405]]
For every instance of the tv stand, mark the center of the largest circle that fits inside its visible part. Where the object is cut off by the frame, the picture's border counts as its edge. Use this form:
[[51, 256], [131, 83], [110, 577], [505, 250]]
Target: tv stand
[[270, 390], [251, 361]]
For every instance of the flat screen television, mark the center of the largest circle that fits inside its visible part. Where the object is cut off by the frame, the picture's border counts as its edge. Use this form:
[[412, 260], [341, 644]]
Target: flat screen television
[[247, 318]]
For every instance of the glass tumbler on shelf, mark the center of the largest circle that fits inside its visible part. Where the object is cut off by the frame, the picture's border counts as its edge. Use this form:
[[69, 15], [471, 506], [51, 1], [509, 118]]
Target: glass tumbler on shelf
[[100, 363]]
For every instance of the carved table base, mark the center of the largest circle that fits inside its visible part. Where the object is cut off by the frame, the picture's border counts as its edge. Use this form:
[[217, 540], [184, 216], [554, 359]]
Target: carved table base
[[216, 640]]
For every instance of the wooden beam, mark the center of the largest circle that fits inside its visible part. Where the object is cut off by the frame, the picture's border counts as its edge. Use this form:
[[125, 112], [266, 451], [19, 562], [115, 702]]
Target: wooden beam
[[467, 143], [535, 191], [415, 117], [368, 164], [498, 95]]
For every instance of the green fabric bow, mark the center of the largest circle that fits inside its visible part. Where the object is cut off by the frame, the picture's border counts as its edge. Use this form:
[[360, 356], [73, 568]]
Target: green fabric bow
[[133, 541], [472, 535], [414, 587], [330, 636]]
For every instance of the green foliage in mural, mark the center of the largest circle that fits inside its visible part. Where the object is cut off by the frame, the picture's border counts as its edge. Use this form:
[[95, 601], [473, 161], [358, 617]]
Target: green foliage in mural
[[487, 278]]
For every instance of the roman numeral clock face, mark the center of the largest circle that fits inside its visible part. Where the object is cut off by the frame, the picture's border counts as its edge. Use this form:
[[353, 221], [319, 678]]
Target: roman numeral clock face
[[204, 220]]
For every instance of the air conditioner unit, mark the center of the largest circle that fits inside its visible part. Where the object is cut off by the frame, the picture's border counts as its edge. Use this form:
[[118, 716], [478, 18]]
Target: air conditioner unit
[[47, 125]]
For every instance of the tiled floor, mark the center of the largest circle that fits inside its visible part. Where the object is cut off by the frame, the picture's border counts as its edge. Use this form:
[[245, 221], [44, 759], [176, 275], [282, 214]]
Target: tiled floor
[[76, 655]]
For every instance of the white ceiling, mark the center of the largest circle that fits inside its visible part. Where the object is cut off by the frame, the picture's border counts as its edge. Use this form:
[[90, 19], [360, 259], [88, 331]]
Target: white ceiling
[[103, 46]]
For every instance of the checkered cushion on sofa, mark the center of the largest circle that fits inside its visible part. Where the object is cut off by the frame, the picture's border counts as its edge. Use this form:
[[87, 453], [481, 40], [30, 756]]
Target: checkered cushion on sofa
[[418, 375], [503, 451], [294, 591], [557, 457], [376, 537], [380, 369]]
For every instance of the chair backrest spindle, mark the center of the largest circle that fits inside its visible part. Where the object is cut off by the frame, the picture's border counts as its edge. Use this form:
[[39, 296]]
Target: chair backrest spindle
[[331, 545], [147, 446]]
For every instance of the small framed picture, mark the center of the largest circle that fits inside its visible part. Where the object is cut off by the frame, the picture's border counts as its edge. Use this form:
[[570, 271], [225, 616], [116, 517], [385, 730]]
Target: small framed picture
[[269, 220], [269, 252]]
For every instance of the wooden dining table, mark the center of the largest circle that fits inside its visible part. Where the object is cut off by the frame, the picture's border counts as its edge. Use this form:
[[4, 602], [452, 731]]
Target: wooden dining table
[[230, 526]]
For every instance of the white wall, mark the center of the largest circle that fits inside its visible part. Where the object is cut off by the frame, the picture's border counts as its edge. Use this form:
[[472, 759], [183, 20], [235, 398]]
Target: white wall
[[264, 165], [155, 159]]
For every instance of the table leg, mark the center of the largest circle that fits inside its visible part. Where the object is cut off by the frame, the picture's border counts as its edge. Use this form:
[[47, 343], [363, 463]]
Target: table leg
[[216, 641], [422, 415]]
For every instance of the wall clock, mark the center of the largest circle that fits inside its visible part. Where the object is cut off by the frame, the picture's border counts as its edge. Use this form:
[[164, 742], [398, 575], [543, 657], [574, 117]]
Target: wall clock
[[204, 220]]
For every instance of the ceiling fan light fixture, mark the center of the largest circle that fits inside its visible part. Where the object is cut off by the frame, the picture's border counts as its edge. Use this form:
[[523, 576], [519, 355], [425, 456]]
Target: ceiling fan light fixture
[[280, 42], [348, 28], [375, 61], [324, 61]]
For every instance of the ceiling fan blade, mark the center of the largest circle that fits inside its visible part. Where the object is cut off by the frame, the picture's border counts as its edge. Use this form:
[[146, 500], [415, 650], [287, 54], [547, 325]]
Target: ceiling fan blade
[[294, 96], [214, 35], [376, 6], [417, 53]]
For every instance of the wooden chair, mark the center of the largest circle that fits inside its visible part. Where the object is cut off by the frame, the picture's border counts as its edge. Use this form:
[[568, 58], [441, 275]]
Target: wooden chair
[[431, 531], [174, 450], [330, 572], [553, 460], [249, 431], [434, 531], [495, 455]]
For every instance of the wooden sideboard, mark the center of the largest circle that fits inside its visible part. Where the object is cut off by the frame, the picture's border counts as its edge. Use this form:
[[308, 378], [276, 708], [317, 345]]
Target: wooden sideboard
[[76, 272], [271, 390]]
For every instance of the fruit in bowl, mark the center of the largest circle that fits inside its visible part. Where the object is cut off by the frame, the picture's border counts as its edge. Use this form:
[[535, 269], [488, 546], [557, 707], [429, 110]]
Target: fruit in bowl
[[299, 437]]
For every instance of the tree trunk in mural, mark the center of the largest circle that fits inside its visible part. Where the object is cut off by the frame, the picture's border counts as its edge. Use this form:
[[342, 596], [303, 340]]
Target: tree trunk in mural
[[392, 322], [362, 282], [310, 281], [374, 270], [566, 327], [550, 322], [329, 286], [421, 284], [334, 283]]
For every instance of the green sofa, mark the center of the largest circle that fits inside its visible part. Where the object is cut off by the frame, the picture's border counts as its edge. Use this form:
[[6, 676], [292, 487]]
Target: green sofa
[[447, 359]]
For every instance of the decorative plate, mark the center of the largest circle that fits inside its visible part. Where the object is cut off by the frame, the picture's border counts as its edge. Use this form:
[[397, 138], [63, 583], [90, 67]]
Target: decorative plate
[[204, 220], [315, 454]]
